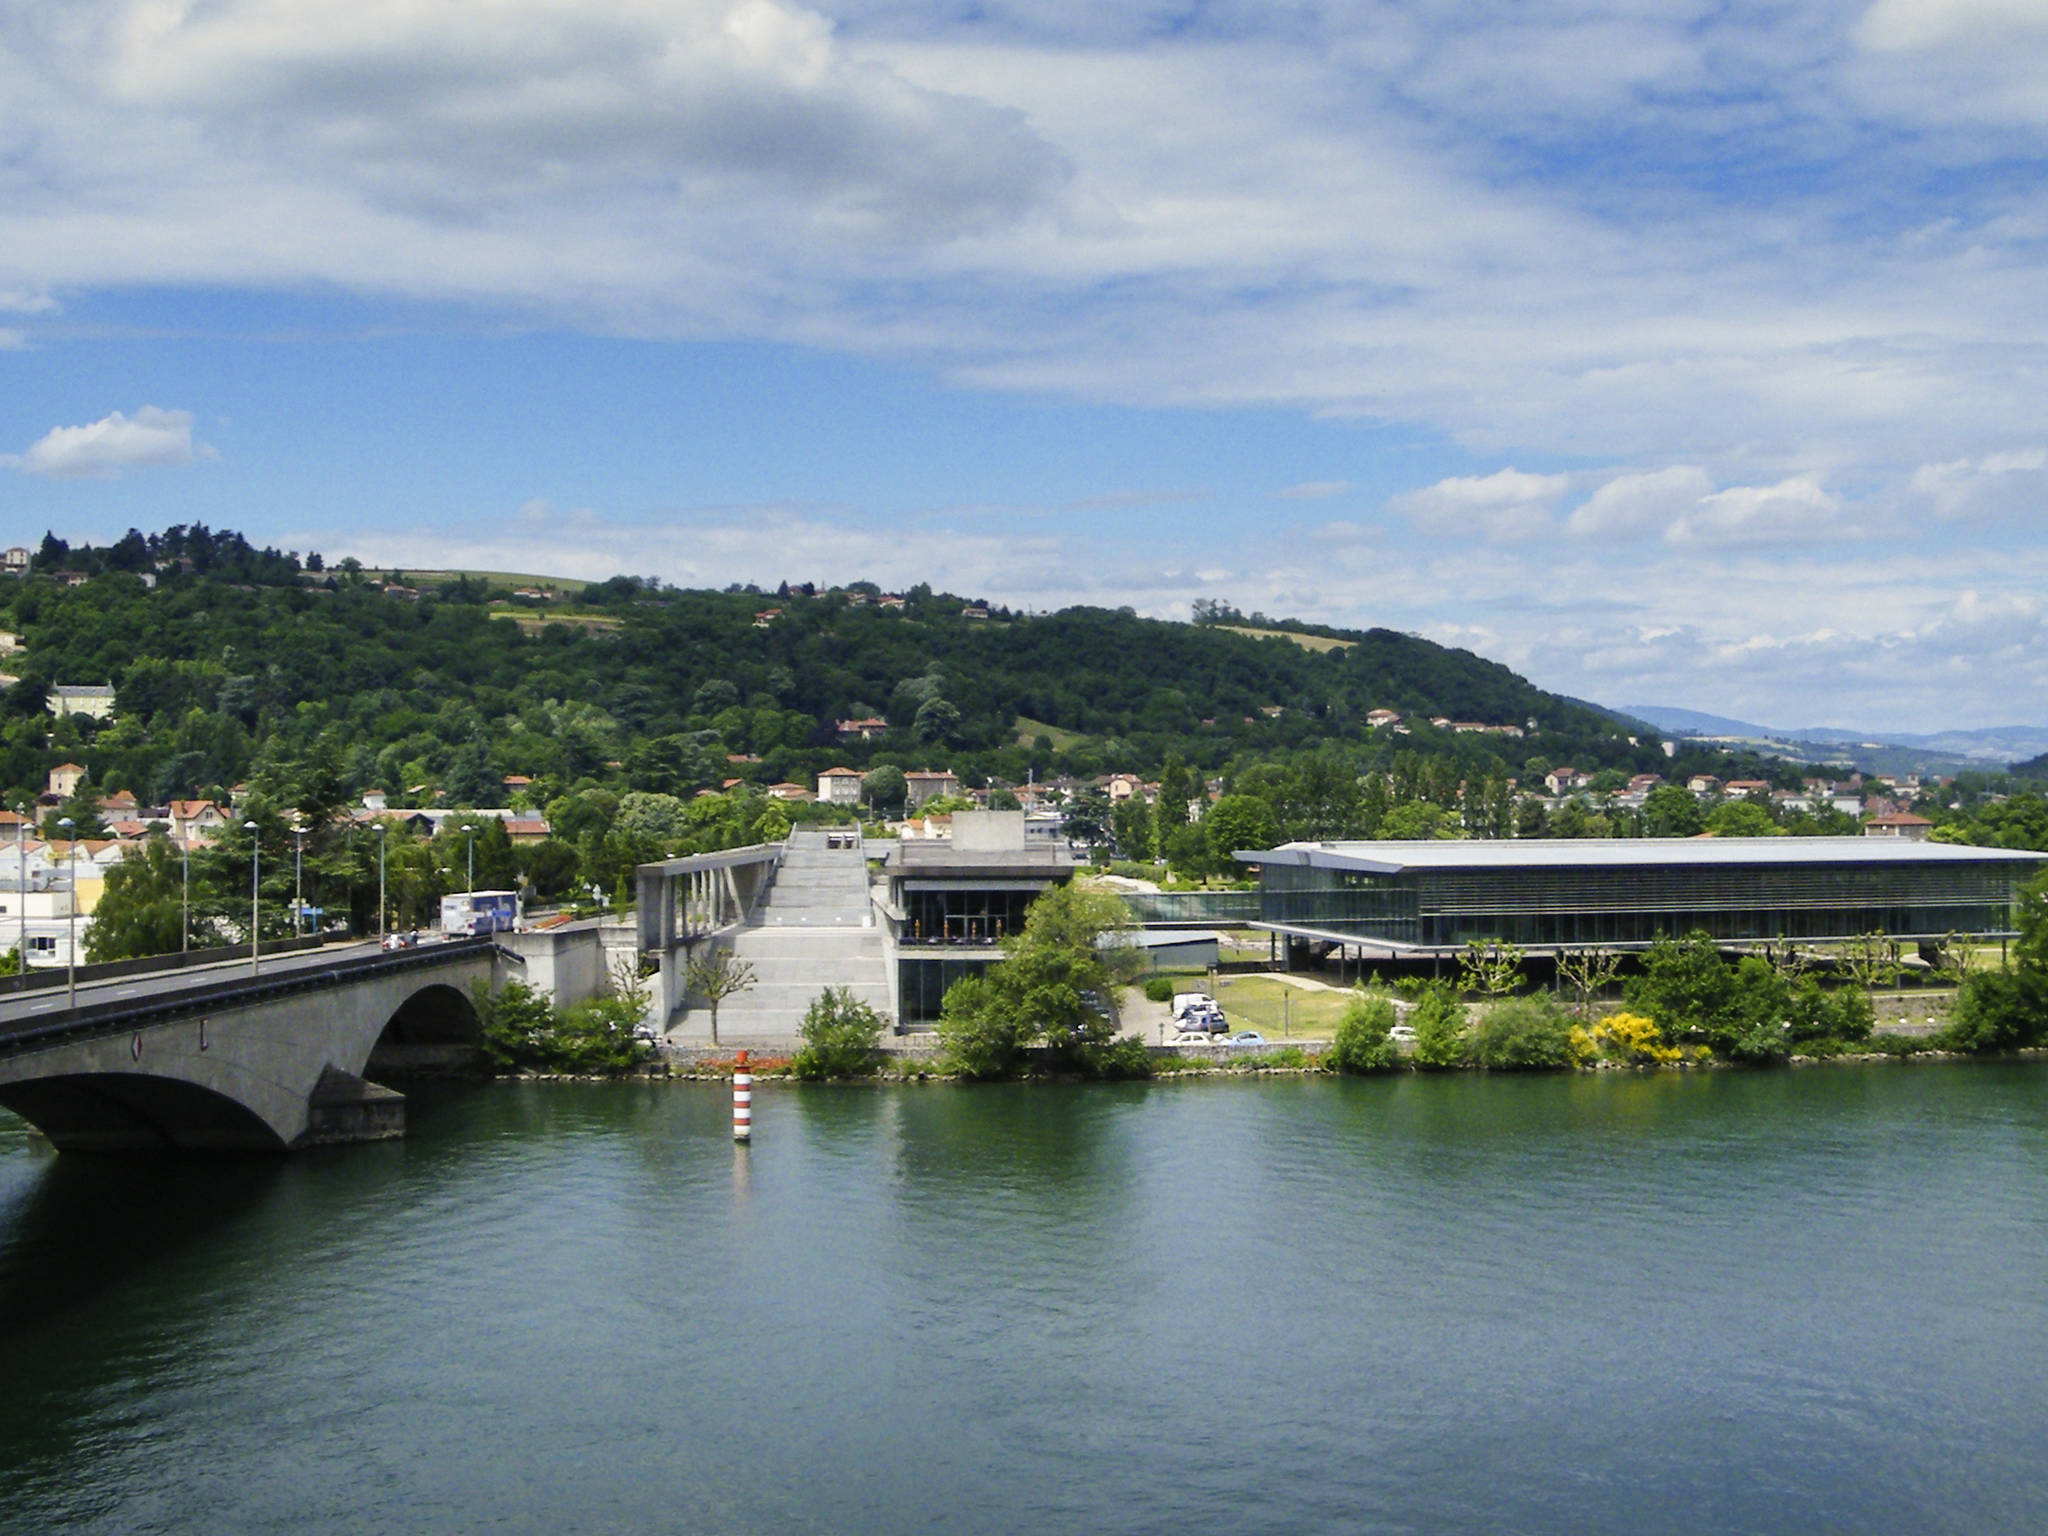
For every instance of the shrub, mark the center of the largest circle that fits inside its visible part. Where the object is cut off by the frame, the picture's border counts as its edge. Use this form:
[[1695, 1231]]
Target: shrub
[[522, 1029], [1439, 1022], [1117, 1060], [841, 1034], [1631, 1038], [1159, 989], [1997, 1011], [1364, 1040], [1523, 1034]]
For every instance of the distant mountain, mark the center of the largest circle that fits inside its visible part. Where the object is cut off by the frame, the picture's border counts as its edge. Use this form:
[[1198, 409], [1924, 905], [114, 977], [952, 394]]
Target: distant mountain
[[1872, 751]]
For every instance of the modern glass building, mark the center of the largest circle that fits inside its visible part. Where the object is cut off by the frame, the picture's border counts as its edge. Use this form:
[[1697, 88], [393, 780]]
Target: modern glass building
[[952, 907], [1626, 893]]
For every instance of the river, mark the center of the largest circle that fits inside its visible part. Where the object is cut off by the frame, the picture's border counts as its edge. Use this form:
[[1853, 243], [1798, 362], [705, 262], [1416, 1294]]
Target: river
[[1795, 1301]]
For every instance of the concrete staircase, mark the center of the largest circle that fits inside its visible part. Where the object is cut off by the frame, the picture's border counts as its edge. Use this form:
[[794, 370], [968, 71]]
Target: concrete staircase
[[814, 930]]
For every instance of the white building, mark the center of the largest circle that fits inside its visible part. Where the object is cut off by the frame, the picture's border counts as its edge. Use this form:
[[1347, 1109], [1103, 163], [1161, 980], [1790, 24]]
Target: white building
[[840, 786], [96, 700]]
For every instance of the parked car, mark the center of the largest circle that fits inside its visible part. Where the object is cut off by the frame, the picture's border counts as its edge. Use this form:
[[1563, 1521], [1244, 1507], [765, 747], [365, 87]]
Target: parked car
[[1245, 1037], [1401, 1032], [1192, 1037], [1185, 1003], [1208, 1021]]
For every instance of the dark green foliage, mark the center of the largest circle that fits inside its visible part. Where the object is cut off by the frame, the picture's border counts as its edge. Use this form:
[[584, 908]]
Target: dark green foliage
[[841, 1037], [1363, 1041], [1119, 1060], [1751, 1011], [523, 1031], [1999, 1011], [1523, 1034], [141, 910], [1438, 1019], [1159, 989], [1041, 994]]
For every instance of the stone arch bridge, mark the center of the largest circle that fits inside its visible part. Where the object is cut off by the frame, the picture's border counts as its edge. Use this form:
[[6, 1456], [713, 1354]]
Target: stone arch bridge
[[226, 1061]]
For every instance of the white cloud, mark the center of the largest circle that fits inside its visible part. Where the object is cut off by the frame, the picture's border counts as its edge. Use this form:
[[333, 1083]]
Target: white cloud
[[1314, 490], [1792, 511], [1642, 503], [103, 449], [11, 340], [1998, 484], [1508, 504]]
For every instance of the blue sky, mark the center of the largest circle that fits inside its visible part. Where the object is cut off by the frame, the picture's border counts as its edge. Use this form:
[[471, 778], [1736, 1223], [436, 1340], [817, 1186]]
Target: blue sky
[[1671, 353]]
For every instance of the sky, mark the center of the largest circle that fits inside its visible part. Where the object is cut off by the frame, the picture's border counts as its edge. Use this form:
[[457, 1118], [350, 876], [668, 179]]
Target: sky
[[1671, 353]]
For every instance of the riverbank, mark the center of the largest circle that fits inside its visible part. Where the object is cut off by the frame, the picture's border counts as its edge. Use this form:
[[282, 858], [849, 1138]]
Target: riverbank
[[708, 1065]]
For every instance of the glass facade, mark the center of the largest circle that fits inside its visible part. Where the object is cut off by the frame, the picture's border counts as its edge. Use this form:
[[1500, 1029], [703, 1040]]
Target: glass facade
[[922, 981], [964, 915], [1544, 905]]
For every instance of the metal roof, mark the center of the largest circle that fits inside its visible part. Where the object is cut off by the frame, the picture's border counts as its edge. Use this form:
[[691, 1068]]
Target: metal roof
[[1389, 858]]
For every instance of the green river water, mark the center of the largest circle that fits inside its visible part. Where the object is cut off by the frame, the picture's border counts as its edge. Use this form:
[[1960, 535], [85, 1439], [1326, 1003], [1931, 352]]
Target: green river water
[[1797, 1301]]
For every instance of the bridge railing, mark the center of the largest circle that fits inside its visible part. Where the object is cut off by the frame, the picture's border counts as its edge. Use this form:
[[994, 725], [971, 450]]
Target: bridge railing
[[45, 976], [216, 993]]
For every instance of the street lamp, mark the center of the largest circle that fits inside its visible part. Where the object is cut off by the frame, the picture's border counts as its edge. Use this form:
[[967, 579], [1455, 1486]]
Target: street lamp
[[298, 879], [21, 861], [71, 949], [255, 911], [469, 839], [381, 846], [185, 918]]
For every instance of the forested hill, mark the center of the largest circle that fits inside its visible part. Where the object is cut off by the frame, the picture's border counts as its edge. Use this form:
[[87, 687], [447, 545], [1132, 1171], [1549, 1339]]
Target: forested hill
[[240, 657]]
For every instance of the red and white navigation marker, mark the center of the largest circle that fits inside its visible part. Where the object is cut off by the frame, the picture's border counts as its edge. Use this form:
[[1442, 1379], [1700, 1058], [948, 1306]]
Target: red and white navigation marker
[[742, 1099]]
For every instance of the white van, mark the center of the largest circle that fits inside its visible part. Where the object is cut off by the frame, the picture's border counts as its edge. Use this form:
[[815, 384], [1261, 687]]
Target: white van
[[1184, 1002]]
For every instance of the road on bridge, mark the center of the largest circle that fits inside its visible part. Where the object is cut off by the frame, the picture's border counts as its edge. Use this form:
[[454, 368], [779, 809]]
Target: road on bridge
[[38, 1007]]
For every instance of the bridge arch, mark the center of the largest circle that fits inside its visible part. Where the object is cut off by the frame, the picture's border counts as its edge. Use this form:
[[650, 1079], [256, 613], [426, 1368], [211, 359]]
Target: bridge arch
[[252, 1064], [131, 1111]]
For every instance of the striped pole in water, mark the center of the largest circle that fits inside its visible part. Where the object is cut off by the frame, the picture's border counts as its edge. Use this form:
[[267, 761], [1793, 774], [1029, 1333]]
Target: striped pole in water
[[742, 1099]]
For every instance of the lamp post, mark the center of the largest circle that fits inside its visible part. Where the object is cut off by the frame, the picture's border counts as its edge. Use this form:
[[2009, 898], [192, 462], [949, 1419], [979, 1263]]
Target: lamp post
[[469, 839], [185, 910], [255, 911], [381, 846], [21, 862], [298, 879], [71, 949]]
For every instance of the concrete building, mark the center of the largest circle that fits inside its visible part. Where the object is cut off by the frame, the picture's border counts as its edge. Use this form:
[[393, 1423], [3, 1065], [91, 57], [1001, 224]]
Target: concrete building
[[950, 906], [96, 700], [1903, 825], [929, 784], [1626, 893], [840, 786]]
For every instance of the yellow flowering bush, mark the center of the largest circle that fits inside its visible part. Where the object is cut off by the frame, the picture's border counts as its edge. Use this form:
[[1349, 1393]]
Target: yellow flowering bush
[[1632, 1038]]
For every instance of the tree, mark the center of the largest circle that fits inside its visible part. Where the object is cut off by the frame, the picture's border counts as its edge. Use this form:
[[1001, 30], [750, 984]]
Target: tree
[[1588, 972], [1492, 968], [716, 975], [1740, 818], [1238, 823], [1438, 1019], [141, 909], [1050, 991], [1670, 810], [884, 789], [1132, 823], [841, 1034], [1364, 1040]]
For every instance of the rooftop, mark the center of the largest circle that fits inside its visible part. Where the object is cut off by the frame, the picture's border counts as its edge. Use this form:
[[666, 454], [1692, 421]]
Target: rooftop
[[1626, 853]]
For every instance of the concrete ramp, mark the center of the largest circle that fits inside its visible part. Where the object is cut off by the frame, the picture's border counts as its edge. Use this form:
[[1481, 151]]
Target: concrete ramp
[[815, 929]]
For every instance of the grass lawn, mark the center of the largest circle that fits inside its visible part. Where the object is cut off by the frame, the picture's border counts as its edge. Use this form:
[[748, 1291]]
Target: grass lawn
[[1062, 741], [1261, 1003], [1306, 642]]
